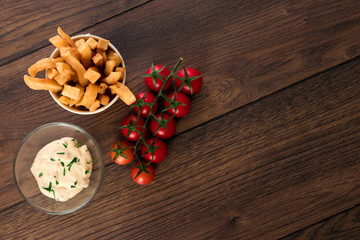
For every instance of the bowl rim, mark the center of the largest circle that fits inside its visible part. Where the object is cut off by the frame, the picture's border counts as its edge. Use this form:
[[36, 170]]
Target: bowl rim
[[101, 166], [77, 111]]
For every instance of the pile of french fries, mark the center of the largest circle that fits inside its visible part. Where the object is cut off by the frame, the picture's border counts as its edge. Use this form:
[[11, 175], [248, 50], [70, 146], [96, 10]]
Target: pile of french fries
[[86, 74]]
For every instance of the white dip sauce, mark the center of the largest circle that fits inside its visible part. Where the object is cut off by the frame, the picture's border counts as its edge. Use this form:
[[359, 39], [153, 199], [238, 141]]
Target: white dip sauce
[[62, 169]]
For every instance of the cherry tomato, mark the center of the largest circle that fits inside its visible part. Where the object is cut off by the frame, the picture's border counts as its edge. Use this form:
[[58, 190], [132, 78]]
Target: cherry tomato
[[158, 82], [190, 78], [136, 123], [181, 110], [120, 156], [143, 178], [159, 153], [170, 125], [145, 97]]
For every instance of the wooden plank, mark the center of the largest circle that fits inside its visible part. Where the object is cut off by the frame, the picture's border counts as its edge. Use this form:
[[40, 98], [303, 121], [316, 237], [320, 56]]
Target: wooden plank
[[344, 225], [26, 26], [239, 66], [259, 172]]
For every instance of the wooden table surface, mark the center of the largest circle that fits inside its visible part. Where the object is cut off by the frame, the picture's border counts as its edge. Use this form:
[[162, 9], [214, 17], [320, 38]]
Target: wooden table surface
[[269, 150]]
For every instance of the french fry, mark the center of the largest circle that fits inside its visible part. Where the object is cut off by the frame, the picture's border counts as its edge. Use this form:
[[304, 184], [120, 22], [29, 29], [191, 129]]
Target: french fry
[[120, 69], [86, 54], [51, 73], [66, 38], [64, 100], [59, 59], [90, 95], [124, 93], [103, 44], [75, 64], [58, 42], [111, 55], [64, 69], [94, 106], [42, 84], [92, 74], [79, 42], [103, 54], [92, 43], [61, 79], [109, 67], [71, 92], [102, 88], [79, 103], [98, 60], [41, 65], [75, 101], [113, 78], [104, 99]]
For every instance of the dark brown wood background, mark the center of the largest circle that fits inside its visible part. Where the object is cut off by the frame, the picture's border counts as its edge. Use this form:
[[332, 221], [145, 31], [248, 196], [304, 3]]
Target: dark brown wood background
[[270, 149]]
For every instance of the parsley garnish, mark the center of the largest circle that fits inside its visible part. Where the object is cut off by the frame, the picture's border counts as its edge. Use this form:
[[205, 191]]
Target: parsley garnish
[[78, 144], [57, 183], [74, 186], [86, 172], [89, 162], [61, 153], [40, 174], [65, 144], [73, 139], [62, 164], [64, 172], [51, 159], [71, 163], [49, 189]]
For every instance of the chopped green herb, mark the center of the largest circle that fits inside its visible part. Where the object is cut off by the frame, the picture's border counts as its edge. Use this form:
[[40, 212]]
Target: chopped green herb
[[78, 144], [71, 163], [65, 144], [51, 159], [72, 186], [90, 161], [40, 174], [64, 172], [62, 164], [78, 159], [73, 139], [86, 172], [75, 182], [60, 153], [49, 189], [57, 183]]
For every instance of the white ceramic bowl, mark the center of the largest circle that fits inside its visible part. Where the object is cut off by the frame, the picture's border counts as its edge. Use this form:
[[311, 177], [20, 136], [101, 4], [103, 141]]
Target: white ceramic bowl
[[56, 54]]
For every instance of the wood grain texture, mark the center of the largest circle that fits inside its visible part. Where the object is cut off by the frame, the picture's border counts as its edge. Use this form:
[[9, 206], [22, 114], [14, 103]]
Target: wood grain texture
[[259, 172], [26, 26], [243, 58], [345, 225]]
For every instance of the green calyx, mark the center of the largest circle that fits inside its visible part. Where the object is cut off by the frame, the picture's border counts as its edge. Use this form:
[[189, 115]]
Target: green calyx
[[186, 80]]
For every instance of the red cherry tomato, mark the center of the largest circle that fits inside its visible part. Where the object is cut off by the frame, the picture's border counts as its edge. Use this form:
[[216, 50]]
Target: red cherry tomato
[[136, 123], [195, 83], [145, 109], [162, 132], [159, 153], [181, 110], [120, 156], [158, 82], [143, 178]]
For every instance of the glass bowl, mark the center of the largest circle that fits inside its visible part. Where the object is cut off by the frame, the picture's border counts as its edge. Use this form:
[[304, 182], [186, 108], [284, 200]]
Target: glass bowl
[[25, 155], [56, 53]]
